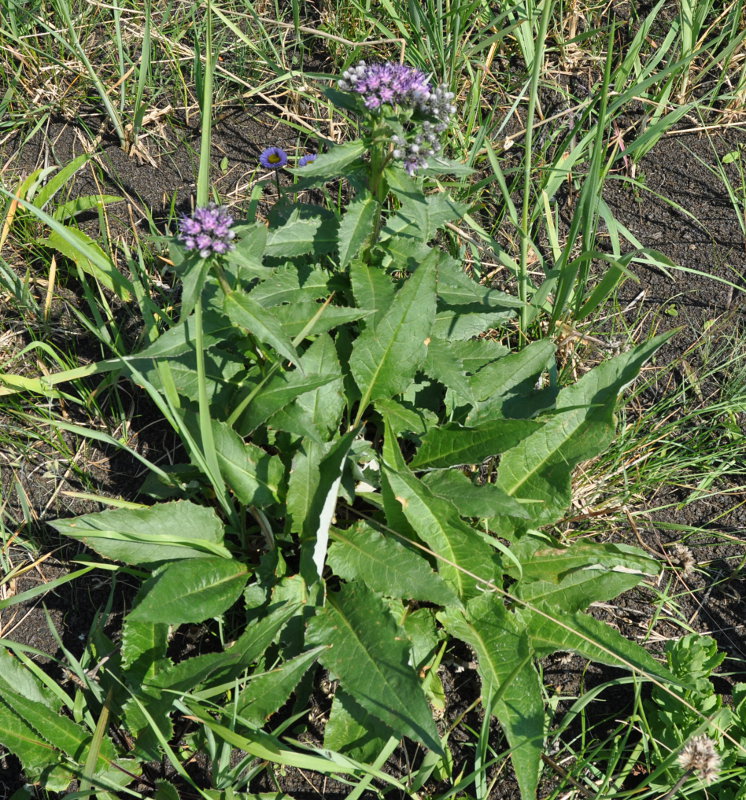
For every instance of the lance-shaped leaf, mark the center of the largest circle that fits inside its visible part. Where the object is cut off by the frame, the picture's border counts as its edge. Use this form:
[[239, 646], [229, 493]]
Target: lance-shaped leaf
[[464, 556], [452, 444], [386, 356], [540, 467], [369, 653], [253, 475], [356, 227], [353, 731], [386, 566], [372, 288], [267, 692], [164, 532], [472, 500], [180, 593], [553, 630], [323, 502], [245, 312], [510, 682]]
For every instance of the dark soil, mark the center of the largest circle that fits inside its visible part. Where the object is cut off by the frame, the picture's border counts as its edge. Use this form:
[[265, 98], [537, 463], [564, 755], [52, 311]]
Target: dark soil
[[708, 238]]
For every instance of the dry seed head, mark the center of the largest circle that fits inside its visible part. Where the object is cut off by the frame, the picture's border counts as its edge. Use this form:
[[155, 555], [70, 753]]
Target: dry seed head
[[699, 755], [683, 558]]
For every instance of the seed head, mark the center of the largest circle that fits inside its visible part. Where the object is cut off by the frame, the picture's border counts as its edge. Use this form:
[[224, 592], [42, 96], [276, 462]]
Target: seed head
[[207, 230], [699, 755]]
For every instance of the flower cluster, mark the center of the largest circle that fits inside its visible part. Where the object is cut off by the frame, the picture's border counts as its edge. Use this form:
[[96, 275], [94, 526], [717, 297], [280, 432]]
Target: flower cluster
[[391, 84], [398, 85], [207, 230]]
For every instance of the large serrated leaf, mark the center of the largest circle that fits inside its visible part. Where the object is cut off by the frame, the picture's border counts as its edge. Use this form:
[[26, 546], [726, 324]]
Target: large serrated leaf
[[510, 682], [577, 590], [372, 288], [555, 563], [245, 312], [515, 372], [540, 467], [281, 390], [325, 404], [143, 646], [353, 731], [164, 532], [267, 692], [386, 356], [295, 318], [333, 163], [472, 500], [356, 227], [291, 285], [369, 653], [463, 554], [179, 593], [456, 288], [553, 630], [253, 475], [223, 667], [298, 229], [38, 757], [453, 445], [386, 566]]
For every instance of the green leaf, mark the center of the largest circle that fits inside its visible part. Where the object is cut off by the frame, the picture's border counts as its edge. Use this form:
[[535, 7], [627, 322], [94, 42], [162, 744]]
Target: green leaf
[[180, 593], [450, 362], [438, 524], [452, 445], [333, 164], [39, 759], [484, 501], [372, 288], [89, 257], [555, 563], [369, 653], [303, 482], [510, 682], [577, 590], [386, 356], [253, 475], [356, 227], [267, 692], [405, 417], [54, 184], [78, 205], [514, 373], [386, 566], [163, 532], [351, 730], [302, 229], [551, 630], [245, 312], [456, 288], [246, 260], [143, 646], [222, 667], [294, 318], [540, 467], [279, 391], [315, 534], [291, 285], [325, 404], [460, 323]]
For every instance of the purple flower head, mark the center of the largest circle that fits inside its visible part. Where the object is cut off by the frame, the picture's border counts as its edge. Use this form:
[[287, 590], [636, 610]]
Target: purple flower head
[[389, 83], [306, 159], [207, 230], [273, 158]]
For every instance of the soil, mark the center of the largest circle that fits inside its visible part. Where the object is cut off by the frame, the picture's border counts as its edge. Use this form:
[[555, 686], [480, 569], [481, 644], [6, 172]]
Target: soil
[[686, 215]]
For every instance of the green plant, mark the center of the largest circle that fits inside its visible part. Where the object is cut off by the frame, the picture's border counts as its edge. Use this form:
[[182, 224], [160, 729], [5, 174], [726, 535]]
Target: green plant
[[331, 384]]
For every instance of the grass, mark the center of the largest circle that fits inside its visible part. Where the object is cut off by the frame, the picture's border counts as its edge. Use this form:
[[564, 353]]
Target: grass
[[556, 100]]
